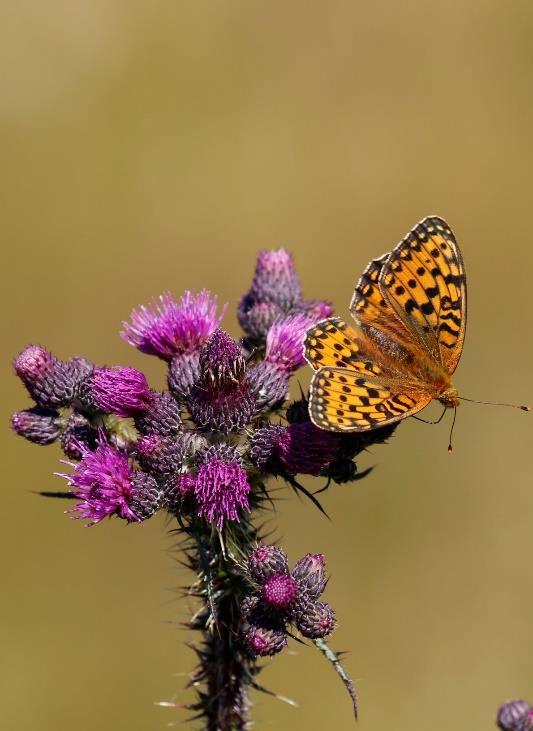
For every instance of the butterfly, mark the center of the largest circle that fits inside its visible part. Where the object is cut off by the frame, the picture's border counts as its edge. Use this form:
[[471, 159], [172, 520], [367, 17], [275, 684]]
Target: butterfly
[[409, 308]]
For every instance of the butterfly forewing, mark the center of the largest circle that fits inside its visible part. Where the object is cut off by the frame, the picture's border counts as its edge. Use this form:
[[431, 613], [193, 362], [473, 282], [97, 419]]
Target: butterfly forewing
[[424, 281]]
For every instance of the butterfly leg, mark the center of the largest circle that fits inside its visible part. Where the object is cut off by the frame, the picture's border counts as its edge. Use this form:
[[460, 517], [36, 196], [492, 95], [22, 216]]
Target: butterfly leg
[[425, 421]]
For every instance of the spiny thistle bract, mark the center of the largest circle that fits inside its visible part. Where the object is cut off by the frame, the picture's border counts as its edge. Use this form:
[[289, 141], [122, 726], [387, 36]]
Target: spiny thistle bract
[[203, 451]]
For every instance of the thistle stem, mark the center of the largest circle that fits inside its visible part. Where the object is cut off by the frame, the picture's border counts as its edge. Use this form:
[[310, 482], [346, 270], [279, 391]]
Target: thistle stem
[[225, 672]]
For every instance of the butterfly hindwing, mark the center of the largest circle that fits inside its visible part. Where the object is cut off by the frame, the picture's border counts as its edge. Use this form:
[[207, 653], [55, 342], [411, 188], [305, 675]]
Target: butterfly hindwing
[[333, 342], [425, 283], [343, 400]]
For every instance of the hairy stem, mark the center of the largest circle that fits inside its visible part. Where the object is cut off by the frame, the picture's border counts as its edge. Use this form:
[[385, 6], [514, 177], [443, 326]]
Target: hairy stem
[[225, 672]]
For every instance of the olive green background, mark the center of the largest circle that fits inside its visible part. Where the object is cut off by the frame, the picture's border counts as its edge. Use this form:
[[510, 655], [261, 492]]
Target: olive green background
[[153, 146]]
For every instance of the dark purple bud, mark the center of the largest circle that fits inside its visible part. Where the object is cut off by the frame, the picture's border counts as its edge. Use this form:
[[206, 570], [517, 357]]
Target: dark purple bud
[[178, 495], [269, 385], [145, 498], [264, 447], [36, 425], [159, 455], [78, 437], [256, 318], [318, 620], [265, 561], [163, 417], [310, 575], [121, 391], [221, 485], [221, 400], [249, 604], [512, 715], [275, 279], [306, 449], [183, 372], [279, 591], [81, 368], [49, 381], [264, 641]]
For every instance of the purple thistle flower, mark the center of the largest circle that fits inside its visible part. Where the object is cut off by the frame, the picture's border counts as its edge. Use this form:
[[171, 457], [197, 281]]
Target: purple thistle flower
[[264, 641], [284, 342], [221, 400], [36, 425], [221, 485], [121, 391], [305, 449], [317, 309], [279, 591], [167, 328], [317, 620], [104, 482], [513, 715], [284, 353], [49, 381]]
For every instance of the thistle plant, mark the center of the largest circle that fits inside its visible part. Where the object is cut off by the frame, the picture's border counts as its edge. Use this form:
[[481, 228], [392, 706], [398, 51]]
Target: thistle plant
[[206, 452]]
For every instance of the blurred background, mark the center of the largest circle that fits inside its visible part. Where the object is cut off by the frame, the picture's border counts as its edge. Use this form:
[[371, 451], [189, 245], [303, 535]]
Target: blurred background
[[155, 146]]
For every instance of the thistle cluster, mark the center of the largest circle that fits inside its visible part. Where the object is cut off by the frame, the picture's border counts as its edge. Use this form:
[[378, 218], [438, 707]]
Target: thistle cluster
[[279, 598], [515, 715], [203, 451]]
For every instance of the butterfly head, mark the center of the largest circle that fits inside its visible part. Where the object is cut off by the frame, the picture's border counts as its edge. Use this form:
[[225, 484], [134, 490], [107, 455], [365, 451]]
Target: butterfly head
[[450, 398]]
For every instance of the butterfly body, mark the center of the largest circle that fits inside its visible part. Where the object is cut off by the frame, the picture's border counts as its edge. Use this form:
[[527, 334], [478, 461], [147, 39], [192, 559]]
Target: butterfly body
[[409, 308]]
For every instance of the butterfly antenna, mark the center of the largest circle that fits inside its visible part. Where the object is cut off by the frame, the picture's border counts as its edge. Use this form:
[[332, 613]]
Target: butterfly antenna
[[494, 403], [450, 448]]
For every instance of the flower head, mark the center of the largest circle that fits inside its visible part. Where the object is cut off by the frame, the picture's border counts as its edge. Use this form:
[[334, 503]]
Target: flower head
[[309, 574], [121, 391], [221, 485], [256, 318], [305, 449], [167, 328], [513, 716], [316, 620], [263, 641], [49, 381], [284, 342], [104, 481], [265, 561], [36, 425], [221, 400], [279, 591], [159, 455], [162, 417]]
